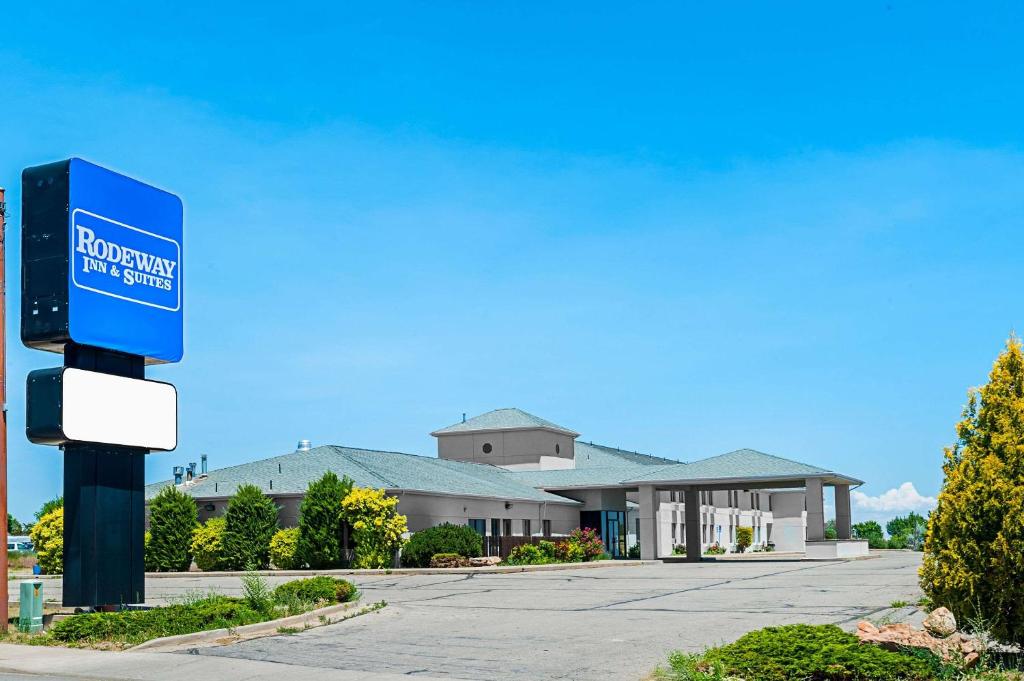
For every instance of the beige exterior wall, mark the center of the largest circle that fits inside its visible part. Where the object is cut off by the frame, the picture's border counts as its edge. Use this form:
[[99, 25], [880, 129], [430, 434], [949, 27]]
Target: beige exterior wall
[[427, 510], [520, 449]]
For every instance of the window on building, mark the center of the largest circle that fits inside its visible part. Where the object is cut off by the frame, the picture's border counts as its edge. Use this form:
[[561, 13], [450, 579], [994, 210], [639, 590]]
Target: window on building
[[526, 527], [547, 528], [478, 524], [506, 527], [495, 527]]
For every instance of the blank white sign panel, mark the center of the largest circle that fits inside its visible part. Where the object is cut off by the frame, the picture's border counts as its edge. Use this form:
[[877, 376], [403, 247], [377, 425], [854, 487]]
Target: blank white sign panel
[[120, 411]]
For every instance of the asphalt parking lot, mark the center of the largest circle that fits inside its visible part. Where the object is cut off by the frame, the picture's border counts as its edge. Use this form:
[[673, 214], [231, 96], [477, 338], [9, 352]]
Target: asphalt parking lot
[[610, 623]]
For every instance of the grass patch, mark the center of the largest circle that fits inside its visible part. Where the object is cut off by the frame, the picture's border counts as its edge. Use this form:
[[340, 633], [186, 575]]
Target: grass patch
[[192, 613], [899, 604]]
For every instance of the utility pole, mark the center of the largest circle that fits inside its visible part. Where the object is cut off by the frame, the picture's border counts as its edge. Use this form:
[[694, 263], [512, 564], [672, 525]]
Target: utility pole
[[3, 416]]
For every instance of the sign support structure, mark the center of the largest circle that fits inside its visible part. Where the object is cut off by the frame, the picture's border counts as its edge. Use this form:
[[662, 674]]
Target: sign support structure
[[101, 284], [3, 414], [104, 504]]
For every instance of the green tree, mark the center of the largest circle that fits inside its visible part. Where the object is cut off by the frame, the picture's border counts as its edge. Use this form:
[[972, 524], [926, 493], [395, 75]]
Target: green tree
[[249, 524], [907, 531], [172, 518], [830, 530], [974, 548], [871, 531], [15, 527], [321, 527], [48, 506]]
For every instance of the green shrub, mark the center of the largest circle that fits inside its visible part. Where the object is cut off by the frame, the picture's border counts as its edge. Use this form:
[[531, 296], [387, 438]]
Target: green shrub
[[48, 537], [320, 522], [319, 589], [283, 547], [797, 652], [527, 554], [257, 594], [208, 545], [744, 538], [448, 560], [249, 524], [588, 541], [633, 552], [446, 538], [172, 517], [136, 626]]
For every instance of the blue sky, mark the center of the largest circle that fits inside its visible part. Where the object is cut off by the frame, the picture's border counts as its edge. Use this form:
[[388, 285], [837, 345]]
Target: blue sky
[[682, 230]]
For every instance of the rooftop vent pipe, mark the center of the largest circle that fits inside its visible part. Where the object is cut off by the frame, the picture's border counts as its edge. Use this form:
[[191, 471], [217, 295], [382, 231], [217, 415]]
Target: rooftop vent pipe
[[304, 446], [202, 463], [179, 473]]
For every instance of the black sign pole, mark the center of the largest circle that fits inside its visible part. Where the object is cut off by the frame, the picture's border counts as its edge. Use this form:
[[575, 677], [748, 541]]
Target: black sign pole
[[104, 504]]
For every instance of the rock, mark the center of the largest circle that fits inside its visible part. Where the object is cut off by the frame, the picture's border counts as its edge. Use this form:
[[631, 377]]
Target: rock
[[484, 561], [898, 636], [940, 622]]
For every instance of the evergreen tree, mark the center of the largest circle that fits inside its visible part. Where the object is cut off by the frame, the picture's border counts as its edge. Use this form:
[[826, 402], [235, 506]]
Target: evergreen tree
[[320, 522], [249, 524], [974, 548], [49, 506], [172, 518]]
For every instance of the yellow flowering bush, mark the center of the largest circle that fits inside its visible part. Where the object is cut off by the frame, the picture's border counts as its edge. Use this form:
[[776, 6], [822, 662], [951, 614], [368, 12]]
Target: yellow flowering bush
[[208, 545], [282, 549], [974, 547], [377, 527], [48, 537]]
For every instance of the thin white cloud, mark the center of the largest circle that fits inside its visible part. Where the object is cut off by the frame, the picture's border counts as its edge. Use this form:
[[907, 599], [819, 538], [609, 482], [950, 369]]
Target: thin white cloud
[[901, 499]]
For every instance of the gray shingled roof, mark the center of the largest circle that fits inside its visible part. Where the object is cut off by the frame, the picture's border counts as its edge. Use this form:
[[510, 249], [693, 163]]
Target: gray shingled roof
[[742, 463], [504, 419], [589, 455], [292, 473]]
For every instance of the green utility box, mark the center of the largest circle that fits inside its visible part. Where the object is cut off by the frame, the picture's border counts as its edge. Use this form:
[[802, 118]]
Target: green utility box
[[30, 610]]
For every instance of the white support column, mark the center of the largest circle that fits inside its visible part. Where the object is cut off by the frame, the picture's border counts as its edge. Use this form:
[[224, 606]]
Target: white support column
[[648, 517], [843, 519], [815, 510]]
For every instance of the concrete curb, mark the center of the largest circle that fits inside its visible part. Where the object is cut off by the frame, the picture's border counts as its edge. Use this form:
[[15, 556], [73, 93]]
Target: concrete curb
[[218, 637], [495, 570]]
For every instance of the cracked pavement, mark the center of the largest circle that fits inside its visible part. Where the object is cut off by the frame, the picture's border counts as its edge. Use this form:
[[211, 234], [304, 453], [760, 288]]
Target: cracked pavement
[[607, 623]]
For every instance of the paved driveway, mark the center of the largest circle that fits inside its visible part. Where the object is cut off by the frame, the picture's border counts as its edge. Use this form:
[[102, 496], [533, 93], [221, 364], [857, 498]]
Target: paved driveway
[[611, 623]]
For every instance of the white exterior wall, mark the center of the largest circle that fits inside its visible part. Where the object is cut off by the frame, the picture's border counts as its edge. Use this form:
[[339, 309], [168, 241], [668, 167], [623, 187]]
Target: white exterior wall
[[743, 513], [790, 531]]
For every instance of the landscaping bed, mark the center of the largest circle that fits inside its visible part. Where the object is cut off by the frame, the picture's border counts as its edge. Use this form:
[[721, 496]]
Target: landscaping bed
[[194, 613], [801, 652]]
